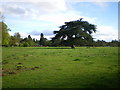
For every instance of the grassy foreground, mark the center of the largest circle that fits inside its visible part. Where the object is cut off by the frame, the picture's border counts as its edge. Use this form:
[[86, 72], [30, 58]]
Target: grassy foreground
[[50, 67]]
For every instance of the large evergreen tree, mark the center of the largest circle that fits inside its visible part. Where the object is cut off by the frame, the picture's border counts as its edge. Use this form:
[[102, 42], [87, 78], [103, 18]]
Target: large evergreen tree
[[75, 33]]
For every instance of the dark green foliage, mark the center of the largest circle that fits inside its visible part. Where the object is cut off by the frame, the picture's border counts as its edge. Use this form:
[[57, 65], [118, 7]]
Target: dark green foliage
[[75, 33], [28, 42], [25, 44], [99, 43], [114, 43], [42, 40], [15, 40]]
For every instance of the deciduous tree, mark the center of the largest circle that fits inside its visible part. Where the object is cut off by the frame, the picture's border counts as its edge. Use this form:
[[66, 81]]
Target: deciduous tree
[[5, 35]]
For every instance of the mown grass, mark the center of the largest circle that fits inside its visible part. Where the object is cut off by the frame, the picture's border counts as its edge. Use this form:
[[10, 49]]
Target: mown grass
[[60, 67]]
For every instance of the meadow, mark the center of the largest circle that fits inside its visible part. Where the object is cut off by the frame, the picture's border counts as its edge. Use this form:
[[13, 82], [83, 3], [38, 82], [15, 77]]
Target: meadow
[[60, 67]]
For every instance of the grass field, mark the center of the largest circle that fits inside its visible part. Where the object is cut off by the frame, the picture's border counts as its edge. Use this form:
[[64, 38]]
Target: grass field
[[60, 67]]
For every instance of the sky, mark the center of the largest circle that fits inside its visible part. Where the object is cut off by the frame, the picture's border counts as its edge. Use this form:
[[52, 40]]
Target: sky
[[33, 17]]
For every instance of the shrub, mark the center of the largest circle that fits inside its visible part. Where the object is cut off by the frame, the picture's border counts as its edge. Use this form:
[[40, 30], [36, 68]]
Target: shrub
[[21, 45], [25, 44]]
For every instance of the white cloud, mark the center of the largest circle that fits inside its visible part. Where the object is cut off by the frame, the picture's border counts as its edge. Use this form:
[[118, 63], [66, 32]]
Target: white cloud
[[119, 35], [106, 33], [59, 0], [9, 9], [23, 34], [33, 8], [61, 17], [55, 13], [93, 0], [46, 36], [45, 32], [100, 3]]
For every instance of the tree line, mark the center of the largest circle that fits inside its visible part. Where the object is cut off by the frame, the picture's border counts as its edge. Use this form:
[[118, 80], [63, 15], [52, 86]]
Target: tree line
[[73, 33]]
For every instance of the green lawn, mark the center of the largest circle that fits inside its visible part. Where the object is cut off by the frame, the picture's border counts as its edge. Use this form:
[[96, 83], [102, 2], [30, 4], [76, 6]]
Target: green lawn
[[60, 67]]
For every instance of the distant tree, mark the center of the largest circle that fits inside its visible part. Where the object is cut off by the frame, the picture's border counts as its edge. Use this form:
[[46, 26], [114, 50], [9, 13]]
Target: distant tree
[[37, 42], [12, 41], [42, 40], [17, 37], [34, 40], [5, 35], [48, 43], [57, 42], [114, 43], [24, 40], [25, 44], [100, 43], [29, 38], [75, 33], [15, 40]]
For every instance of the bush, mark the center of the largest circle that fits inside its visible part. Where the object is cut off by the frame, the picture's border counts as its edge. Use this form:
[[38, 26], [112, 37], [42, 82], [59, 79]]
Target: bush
[[25, 44], [21, 45]]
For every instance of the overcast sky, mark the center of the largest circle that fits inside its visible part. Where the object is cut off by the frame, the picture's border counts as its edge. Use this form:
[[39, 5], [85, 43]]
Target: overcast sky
[[44, 16]]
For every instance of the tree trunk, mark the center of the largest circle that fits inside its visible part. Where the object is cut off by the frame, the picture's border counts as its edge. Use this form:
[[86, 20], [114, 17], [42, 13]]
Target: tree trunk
[[73, 46]]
